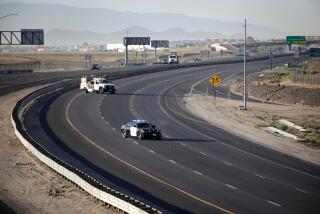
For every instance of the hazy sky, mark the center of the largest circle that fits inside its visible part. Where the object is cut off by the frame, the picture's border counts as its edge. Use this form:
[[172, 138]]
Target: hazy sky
[[291, 16]]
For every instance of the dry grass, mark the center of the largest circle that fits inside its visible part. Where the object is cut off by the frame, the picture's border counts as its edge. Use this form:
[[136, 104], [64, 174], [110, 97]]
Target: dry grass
[[65, 61], [69, 57], [191, 49], [6, 58], [314, 65]]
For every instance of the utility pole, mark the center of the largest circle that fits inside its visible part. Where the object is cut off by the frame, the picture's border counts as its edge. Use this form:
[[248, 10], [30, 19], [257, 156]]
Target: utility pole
[[270, 56], [126, 56], [244, 67]]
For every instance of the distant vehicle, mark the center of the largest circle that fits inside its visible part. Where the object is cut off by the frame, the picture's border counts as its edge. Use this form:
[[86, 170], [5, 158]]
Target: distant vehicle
[[97, 84], [140, 129], [247, 54], [173, 58], [95, 67]]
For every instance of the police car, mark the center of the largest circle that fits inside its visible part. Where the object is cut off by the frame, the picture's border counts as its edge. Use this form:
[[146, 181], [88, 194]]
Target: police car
[[140, 129]]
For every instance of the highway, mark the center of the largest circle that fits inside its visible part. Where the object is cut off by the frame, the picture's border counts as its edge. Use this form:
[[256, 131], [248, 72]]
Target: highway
[[195, 168]]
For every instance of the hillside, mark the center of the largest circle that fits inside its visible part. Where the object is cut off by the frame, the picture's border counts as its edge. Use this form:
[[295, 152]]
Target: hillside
[[52, 16], [71, 37]]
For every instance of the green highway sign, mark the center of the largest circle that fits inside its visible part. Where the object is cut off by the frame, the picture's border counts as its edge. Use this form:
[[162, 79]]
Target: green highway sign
[[315, 52], [296, 40]]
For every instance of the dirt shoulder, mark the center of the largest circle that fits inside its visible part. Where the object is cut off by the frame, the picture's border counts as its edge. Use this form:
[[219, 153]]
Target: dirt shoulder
[[27, 185], [225, 114]]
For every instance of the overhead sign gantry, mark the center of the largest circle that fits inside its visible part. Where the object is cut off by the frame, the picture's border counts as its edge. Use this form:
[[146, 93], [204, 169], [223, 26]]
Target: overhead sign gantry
[[22, 37], [134, 41], [159, 44]]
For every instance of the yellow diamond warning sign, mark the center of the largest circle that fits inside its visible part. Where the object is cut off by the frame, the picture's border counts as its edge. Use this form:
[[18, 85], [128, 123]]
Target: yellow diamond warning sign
[[215, 80]]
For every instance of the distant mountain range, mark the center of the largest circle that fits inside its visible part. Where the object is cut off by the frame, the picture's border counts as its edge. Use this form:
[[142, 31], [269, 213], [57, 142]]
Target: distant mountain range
[[70, 37], [105, 26]]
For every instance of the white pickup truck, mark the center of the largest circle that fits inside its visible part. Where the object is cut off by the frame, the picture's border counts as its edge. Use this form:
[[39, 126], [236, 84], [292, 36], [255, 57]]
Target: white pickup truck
[[97, 84]]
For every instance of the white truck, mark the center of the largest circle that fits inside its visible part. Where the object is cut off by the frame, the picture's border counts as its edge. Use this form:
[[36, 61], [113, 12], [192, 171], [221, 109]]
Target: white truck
[[173, 58], [97, 84]]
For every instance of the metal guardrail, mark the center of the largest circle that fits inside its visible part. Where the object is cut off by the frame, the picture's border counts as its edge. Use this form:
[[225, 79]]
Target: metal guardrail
[[69, 172]]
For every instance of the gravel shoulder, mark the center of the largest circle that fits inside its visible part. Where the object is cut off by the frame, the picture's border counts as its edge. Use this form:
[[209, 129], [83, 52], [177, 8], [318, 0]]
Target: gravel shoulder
[[27, 185], [224, 113]]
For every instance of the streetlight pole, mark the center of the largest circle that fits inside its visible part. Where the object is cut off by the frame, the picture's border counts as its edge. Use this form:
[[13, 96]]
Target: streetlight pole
[[10, 14], [244, 67]]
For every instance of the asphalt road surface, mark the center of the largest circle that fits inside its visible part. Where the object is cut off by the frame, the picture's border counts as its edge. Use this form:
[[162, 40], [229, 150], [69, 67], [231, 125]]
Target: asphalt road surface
[[195, 168]]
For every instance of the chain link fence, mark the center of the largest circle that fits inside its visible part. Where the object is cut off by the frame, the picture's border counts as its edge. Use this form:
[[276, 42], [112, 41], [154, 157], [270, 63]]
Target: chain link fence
[[20, 67], [306, 79]]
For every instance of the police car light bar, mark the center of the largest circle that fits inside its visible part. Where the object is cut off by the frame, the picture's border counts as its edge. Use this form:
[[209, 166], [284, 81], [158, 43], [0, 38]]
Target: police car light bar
[[139, 121]]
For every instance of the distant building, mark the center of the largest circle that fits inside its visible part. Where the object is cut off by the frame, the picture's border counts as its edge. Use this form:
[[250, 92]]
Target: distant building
[[218, 47], [120, 47]]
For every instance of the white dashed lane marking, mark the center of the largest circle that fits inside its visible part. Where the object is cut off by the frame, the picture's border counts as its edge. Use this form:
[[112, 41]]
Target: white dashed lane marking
[[172, 161], [260, 176], [199, 173], [135, 142], [203, 153], [152, 151], [230, 186], [273, 203], [229, 164], [182, 144]]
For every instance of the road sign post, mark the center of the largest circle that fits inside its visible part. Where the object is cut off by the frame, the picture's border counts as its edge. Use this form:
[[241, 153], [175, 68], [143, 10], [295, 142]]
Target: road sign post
[[87, 58], [215, 81]]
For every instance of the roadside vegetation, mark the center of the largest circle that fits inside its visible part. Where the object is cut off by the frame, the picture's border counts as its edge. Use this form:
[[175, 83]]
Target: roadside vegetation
[[313, 134], [310, 137], [289, 73]]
